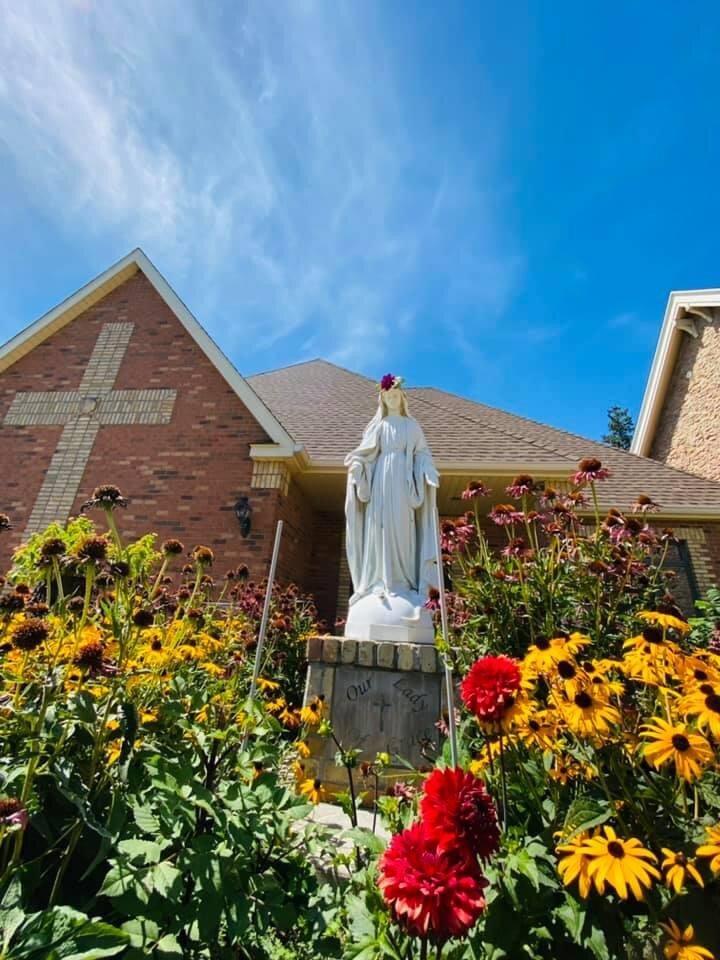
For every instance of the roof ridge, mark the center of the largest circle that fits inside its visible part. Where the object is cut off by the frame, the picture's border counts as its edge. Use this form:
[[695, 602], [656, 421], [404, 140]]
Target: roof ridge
[[493, 426], [619, 451], [301, 363]]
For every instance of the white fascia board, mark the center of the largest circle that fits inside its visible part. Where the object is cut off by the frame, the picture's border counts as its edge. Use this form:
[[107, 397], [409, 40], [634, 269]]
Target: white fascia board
[[663, 363], [66, 311], [107, 281]]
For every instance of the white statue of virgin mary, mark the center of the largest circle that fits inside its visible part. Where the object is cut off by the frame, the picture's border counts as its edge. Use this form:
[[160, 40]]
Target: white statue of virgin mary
[[391, 519]]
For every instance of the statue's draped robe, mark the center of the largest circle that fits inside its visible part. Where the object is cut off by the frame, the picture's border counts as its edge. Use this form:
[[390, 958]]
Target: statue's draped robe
[[390, 510]]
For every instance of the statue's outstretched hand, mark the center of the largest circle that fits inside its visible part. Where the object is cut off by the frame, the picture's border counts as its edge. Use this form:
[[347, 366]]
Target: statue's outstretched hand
[[360, 481]]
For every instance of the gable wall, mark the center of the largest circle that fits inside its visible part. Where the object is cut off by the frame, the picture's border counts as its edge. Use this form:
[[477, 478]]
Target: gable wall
[[182, 477], [688, 431]]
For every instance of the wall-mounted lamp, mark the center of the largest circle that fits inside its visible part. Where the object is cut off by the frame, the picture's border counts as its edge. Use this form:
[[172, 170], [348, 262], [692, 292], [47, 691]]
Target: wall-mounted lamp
[[243, 512]]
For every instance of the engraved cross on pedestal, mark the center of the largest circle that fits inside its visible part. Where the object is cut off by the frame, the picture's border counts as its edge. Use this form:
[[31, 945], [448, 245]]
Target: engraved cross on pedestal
[[81, 413], [383, 704]]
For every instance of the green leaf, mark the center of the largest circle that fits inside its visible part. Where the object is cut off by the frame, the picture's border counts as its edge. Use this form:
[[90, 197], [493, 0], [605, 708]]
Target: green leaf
[[584, 814], [164, 878], [365, 839], [62, 933], [146, 820], [572, 914], [141, 851], [168, 946]]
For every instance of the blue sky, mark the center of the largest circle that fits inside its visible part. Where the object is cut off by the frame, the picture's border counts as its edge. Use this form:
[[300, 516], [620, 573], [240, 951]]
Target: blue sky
[[494, 198]]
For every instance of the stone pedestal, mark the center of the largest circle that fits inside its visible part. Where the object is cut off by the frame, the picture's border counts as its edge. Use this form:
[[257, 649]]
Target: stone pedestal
[[380, 697]]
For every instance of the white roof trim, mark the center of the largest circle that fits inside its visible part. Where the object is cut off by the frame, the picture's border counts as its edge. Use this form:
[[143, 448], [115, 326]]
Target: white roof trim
[[98, 288], [664, 363]]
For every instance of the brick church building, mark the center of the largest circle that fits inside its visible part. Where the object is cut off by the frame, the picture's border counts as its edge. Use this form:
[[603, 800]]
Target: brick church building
[[121, 384]]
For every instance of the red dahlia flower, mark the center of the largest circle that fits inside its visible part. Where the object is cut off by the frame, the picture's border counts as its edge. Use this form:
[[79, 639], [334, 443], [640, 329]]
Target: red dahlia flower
[[388, 381], [432, 895], [460, 813], [489, 690]]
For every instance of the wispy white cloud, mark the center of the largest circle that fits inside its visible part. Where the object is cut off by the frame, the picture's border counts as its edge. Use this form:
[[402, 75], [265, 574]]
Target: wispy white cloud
[[263, 156]]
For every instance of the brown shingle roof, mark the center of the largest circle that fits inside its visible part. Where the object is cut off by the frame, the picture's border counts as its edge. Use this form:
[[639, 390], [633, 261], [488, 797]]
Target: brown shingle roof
[[325, 407]]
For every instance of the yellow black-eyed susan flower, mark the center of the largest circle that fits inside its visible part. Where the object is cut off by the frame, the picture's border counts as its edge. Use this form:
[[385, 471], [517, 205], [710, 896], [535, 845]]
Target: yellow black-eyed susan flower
[[677, 867], [674, 743], [623, 864], [680, 946], [711, 847]]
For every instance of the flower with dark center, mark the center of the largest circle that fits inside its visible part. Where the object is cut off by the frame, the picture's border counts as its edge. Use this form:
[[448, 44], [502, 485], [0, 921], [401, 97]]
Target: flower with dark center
[[230, 575], [521, 486], [645, 504], [172, 548], [156, 644], [589, 470], [566, 669], [13, 813], [92, 550], [90, 656], [107, 497], [653, 634], [242, 572], [104, 581], [203, 556], [194, 614], [142, 617], [5, 522], [23, 590], [678, 868], [52, 547], [120, 568], [504, 514], [623, 864], [476, 488], [515, 548], [37, 609], [30, 634], [184, 593], [433, 600], [675, 743], [76, 605]]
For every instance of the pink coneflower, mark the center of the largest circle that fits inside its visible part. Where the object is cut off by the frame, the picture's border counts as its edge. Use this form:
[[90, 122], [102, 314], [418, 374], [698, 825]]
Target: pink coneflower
[[433, 600], [521, 486], [476, 488], [515, 548], [548, 496], [645, 504], [503, 514], [589, 470], [576, 499], [13, 813]]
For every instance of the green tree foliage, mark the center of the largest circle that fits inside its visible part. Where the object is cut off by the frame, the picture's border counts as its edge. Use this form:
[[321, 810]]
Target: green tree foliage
[[620, 427]]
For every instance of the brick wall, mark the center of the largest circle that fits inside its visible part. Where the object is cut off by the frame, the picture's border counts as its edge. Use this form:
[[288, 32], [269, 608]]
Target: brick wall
[[183, 477], [688, 432]]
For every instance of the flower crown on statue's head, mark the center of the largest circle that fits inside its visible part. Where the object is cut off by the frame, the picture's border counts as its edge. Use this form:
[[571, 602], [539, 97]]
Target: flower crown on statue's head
[[390, 382]]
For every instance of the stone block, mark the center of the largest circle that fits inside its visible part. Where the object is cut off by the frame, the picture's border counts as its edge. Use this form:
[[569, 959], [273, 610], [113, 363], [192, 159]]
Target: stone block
[[314, 648], [347, 651], [331, 649], [428, 660], [366, 653], [408, 656], [386, 655]]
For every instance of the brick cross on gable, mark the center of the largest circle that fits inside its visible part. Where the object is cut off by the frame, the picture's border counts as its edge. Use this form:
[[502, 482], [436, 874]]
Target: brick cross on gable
[[81, 413]]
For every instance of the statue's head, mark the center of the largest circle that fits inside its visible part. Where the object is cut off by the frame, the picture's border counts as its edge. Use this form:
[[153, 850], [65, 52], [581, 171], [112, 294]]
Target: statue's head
[[392, 397]]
